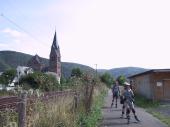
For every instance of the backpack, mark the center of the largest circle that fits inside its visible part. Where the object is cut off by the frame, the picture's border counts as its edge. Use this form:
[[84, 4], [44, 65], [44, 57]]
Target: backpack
[[121, 99]]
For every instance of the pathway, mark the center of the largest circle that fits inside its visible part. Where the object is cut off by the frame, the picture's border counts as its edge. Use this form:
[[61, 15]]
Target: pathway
[[111, 117]]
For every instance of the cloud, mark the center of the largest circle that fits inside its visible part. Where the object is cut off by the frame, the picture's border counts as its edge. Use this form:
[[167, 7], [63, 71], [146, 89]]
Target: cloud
[[13, 33], [19, 41]]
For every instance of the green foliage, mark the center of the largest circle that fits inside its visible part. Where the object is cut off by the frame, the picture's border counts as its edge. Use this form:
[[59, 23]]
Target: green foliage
[[6, 93], [7, 77], [151, 107], [161, 117], [11, 59], [39, 80], [92, 119], [143, 102], [121, 79], [8, 118], [108, 79], [76, 72]]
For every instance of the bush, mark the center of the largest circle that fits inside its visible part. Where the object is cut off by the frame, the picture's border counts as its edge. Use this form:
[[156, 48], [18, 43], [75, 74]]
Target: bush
[[39, 80], [108, 79], [93, 117]]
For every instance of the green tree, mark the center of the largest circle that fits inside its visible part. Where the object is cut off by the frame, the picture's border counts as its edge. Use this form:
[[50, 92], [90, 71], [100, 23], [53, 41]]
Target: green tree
[[39, 80], [108, 79], [76, 72], [7, 77], [121, 79]]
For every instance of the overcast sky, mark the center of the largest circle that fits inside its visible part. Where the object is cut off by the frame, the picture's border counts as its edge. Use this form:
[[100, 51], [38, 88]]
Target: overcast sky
[[109, 33]]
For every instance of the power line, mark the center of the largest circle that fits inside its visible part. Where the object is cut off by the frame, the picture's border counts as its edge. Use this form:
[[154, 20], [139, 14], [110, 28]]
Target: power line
[[28, 33]]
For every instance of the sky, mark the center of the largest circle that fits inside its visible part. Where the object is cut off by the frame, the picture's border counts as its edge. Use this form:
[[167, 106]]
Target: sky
[[109, 33]]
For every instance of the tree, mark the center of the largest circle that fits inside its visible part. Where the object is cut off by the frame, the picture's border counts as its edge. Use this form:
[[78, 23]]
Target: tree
[[121, 79], [39, 80], [108, 79], [7, 77], [76, 72]]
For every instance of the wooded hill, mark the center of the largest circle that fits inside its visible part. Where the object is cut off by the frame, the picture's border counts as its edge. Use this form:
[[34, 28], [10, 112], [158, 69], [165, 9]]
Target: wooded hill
[[126, 71], [11, 59]]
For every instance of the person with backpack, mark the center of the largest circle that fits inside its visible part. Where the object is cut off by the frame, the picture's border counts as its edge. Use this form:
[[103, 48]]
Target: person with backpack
[[128, 102], [115, 92]]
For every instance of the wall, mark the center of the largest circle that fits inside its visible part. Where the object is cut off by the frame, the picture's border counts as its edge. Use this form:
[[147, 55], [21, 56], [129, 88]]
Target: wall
[[155, 85], [142, 85], [159, 90]]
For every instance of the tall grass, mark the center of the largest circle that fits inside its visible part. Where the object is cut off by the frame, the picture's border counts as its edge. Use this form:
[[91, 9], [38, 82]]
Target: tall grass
[[143, 102], [54, 114], [92, 118]]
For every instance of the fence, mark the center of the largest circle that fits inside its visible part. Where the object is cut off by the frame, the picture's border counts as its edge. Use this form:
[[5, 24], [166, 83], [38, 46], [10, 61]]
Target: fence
[[20, 111]]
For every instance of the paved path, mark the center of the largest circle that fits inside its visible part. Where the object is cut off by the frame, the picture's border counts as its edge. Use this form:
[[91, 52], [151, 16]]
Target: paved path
[[111, 117]]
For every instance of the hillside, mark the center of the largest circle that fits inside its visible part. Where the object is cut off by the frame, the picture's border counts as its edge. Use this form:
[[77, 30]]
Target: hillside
[[11, 59], [126, 71]]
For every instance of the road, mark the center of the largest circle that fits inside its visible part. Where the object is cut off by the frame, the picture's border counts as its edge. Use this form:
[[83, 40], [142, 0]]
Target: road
[[111, 117]]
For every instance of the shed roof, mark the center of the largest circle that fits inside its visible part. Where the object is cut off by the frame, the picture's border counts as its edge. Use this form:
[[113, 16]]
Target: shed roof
[[149, 71]]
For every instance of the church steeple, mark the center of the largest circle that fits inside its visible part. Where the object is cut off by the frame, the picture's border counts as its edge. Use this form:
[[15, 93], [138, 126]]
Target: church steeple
[[55, 43], [55, 58]]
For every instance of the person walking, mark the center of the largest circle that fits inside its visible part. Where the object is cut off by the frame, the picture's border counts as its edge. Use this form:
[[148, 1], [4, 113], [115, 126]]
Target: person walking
[[115, 92], [128, 102]]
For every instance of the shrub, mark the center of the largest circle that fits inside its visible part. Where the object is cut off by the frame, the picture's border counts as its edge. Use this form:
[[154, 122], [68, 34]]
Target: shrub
[[93, 117], [39, 80]]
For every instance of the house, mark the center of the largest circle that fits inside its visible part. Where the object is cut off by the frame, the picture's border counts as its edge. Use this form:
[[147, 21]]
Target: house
[[36, 63], [153, 84]]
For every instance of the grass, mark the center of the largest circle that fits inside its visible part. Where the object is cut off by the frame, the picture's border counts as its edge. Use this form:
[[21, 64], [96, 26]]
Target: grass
[[8, 117], [6, 93], [161, 117], [145, 103], [150, 107], [92, 119], [54, 114]]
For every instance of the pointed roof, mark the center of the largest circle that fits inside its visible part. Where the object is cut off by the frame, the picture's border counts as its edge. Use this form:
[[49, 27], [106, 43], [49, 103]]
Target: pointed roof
[[55, 42], [37, 58]]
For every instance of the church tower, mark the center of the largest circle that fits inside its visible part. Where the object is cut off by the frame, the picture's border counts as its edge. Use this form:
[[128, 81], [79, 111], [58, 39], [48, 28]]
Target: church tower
[[55, 58]]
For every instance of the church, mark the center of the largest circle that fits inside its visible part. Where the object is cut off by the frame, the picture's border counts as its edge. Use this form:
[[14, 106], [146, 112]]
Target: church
[[54, 61]]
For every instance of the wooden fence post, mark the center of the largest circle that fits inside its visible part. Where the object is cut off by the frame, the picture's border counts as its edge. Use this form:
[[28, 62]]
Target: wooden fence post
[[22, 110], [75, 101]]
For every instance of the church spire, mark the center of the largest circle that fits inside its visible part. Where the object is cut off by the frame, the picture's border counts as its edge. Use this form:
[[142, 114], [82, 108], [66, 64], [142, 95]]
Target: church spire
[[55, 42], [55, 58]]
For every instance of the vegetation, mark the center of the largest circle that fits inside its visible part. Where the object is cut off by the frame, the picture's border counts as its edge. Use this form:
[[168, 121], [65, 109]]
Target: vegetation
[[108, 79], [85, 111], [143, 102], [92, 119], [7, 77], [53, 114], [160, 116], [38, 80], [8, 118], [121, 79], [151, 107], [11, 59], [65, 112], [126, 71], [76, 72]]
